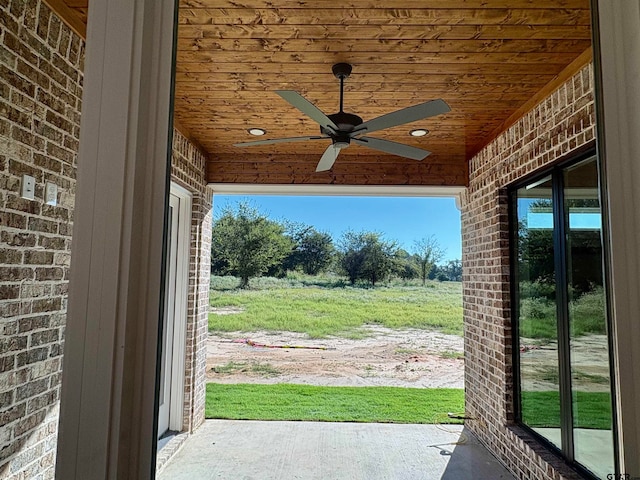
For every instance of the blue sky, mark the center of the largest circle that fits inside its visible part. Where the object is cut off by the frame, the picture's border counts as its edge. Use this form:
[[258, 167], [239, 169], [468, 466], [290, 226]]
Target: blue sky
[[404, 219]]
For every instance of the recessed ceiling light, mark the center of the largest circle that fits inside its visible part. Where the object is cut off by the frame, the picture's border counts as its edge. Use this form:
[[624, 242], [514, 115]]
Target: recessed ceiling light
[[418, 132], [256, 131]]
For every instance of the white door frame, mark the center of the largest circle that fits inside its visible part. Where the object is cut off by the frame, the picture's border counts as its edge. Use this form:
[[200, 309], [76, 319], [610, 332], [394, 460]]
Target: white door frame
[[176, 410], [165, 381]]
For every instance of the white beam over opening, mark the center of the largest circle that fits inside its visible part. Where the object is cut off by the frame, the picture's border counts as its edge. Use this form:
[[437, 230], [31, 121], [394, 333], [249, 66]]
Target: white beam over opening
[[337, 190]]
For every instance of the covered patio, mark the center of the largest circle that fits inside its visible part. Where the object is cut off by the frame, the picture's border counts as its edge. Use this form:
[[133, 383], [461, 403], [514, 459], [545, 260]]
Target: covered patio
[[105, 246], [321, 450]]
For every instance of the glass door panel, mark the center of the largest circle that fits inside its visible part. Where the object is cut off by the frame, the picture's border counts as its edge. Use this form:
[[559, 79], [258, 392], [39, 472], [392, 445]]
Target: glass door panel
[[537, 321], [589, 348]]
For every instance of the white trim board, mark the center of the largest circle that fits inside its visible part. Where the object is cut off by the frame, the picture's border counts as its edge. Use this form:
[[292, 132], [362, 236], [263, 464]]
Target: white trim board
[[346, 190], [341, 190], [176, 412]]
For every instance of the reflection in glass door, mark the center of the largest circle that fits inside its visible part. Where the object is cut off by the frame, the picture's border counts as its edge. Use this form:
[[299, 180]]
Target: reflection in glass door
[[538, 324]]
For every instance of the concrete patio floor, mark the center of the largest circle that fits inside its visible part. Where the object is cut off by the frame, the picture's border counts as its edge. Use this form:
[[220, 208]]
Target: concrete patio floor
[[229, 450]]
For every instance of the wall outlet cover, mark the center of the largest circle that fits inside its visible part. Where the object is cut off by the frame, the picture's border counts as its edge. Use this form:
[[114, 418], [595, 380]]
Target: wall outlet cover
[[51, 194], [28, 187]]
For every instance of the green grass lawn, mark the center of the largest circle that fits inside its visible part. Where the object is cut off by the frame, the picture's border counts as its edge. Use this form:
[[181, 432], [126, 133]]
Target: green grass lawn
[[333, 404], [321, 307], [542, 409]]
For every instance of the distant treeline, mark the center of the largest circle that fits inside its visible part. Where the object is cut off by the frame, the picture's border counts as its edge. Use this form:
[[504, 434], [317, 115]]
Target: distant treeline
[[247, 244]]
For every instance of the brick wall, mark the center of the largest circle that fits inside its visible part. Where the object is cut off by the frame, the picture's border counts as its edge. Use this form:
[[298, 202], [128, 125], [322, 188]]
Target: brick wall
[[563, 122], [41, 64], [40, 99], [188, 170]]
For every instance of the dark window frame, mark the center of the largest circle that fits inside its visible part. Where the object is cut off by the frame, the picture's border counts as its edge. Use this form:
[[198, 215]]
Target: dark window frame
[[555, 170]]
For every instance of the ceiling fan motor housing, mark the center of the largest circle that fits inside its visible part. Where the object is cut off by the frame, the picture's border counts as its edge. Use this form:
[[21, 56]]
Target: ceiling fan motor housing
[[346, 122], [341, 141]]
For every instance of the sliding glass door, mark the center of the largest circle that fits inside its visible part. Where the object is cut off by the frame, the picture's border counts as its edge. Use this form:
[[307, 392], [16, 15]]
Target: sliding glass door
[[562, 354]]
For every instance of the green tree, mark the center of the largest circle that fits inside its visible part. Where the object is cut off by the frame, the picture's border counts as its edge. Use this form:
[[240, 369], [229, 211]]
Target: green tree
[[450, 271], [246, 243], [351, 257], [378, 259], [428, 252], [405, 265], [313, 251], [366, 256]]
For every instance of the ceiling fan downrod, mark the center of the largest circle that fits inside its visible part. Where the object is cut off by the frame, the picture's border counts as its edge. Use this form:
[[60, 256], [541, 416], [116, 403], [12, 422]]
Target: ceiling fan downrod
[[341, 71]]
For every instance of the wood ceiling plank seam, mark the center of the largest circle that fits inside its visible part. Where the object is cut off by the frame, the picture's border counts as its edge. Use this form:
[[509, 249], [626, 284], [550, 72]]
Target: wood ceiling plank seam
[[545, 71], [471, 105], [531, 4], [367, 68], [386, 32], [336, 179], [272, 81], [284, 123], [371, 167], [449, 161], [393, 58], [227, 46], [382, 161], [230, 167], [237, 87], [373, 106], [459, 119], [448, 135], [217, 90], [243, 155], [454, 148], [384, 16], [383, 96], [450, 139]]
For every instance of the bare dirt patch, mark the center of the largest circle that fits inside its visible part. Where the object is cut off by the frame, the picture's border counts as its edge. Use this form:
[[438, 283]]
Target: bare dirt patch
[[402, 358], [589, 362]]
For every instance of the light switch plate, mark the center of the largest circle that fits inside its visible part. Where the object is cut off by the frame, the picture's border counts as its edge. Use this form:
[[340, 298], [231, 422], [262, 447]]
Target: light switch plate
[[28, 187], [51, 194]]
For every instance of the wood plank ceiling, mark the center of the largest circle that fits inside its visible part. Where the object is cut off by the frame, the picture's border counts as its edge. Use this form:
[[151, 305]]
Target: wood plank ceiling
[[486, 58]]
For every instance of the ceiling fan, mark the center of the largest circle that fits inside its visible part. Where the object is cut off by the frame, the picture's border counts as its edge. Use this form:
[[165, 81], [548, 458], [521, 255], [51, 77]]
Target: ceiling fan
[[343, 128]]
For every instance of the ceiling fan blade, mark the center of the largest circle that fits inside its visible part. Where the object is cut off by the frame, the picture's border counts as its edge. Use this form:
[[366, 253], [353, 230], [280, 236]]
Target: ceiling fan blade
[[392, 147], [279, 140], [308, 108], [406, 115], [328, 158]]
